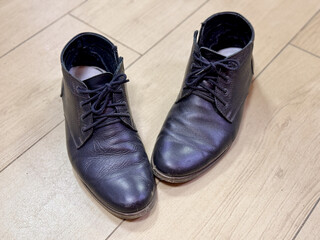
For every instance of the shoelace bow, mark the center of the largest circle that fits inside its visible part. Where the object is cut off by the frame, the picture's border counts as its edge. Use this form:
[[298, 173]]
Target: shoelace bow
[[99, 102], [204, 70]]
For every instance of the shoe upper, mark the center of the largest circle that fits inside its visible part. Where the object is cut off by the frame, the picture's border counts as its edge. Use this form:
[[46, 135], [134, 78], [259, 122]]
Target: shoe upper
[[205, 119], [102, 141]]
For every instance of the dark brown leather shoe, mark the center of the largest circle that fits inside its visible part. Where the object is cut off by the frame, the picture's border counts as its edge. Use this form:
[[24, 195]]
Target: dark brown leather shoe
[[102, 141], [205, 119]]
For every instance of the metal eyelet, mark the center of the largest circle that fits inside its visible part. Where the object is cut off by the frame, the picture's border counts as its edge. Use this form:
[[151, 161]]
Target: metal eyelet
[[83, 129], [82, 117], [228, 80], [78, 89], [225, 92]]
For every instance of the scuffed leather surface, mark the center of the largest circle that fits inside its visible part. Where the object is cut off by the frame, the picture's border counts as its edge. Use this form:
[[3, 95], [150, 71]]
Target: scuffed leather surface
[[196, 132], [115, 167], [110, 160], [192, 136]]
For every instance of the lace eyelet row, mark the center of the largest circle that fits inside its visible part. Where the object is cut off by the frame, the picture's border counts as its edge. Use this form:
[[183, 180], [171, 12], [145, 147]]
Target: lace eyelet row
[[79, 90], [84, 129]]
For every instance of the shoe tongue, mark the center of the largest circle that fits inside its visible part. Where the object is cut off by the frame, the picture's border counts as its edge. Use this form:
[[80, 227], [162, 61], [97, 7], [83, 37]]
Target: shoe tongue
[[210, 54], [98, 80]]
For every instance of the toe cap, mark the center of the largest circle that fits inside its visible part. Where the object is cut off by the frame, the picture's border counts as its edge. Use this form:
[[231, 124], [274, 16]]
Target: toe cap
[[127, 192], [175, 159]]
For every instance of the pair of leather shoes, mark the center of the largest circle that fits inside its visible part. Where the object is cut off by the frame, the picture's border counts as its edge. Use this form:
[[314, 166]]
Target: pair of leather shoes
[[102, 141]]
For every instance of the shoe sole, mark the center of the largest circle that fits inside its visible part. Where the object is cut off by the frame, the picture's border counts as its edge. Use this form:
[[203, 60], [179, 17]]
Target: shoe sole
[[185, 178], [124, 215]]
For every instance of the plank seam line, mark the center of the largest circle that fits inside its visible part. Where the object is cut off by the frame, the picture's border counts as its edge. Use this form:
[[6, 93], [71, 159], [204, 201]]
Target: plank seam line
[[306, 219], [41, 30], [102, 32], [304, 50], [30, 146], [303, 27], [115, 229]]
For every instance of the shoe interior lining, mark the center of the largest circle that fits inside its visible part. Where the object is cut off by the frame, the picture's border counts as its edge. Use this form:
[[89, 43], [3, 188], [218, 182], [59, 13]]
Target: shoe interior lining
[[225, 32], [85, 72], [90, 50], [229, 51]]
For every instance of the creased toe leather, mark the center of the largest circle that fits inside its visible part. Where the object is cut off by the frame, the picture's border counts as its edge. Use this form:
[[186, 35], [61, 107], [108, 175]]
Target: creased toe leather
[[131, 192], [185, 145]]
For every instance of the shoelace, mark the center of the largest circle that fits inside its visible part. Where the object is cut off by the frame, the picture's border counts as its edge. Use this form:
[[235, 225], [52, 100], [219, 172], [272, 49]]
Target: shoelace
[[204, 70], [99, 102]]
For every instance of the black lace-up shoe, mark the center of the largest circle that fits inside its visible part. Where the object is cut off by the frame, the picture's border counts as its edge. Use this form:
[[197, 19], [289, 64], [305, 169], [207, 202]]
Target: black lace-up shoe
[[103, 144], [205, 119]]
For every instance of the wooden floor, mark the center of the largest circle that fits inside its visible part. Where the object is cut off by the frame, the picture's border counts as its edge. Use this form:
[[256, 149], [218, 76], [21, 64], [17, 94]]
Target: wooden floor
[[267, 186]]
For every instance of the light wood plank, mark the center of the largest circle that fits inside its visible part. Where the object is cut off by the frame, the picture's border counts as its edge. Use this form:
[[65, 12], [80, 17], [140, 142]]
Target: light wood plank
[[269, 180], [31, 82], [138, 24], [21, 19], [311, 230], [275, 22], [42, 199], [265, 186], [309, 38]]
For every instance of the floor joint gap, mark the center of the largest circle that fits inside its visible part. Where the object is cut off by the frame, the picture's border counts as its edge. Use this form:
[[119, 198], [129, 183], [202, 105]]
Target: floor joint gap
[[178, 25], [306, 219], [29, 147], [41, 30], [102, 32], [115, 229], [304, 50], [287, 44]]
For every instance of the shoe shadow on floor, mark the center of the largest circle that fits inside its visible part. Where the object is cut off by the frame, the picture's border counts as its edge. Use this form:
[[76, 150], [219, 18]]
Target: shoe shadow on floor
[[91, 198]]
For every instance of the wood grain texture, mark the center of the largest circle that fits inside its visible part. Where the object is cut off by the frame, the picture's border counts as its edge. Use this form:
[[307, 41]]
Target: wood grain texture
[[138, 24], [309, 38], [269, 180], [311, 230], [31, 81], [20, 19], [41, 198], [270, 19], [264, 187]]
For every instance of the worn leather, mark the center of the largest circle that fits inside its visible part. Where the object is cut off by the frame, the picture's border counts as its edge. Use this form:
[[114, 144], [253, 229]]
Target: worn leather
[[111, 159], [196, 131]]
